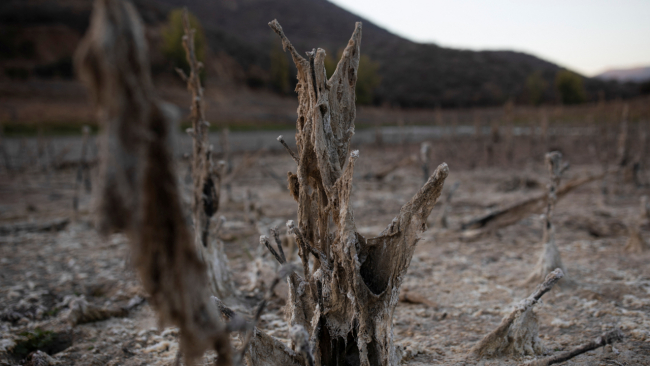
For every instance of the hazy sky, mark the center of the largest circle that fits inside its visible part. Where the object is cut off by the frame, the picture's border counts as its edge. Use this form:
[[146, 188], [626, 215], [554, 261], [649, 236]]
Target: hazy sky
[[587, 36]]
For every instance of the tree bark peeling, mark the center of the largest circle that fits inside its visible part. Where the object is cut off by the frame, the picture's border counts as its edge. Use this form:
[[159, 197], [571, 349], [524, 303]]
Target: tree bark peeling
[[348, 295]]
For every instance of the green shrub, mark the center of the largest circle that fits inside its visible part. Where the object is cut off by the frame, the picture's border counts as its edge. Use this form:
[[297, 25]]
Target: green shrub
[[570, 87], [535, 87], [172, 35]]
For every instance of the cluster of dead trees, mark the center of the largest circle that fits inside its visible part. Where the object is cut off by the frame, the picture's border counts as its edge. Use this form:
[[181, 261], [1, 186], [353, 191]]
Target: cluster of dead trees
[[343, 295]]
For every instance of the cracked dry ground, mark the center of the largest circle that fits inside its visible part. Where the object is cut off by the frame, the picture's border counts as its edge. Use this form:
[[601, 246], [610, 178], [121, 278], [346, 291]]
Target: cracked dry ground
[[471, 285]]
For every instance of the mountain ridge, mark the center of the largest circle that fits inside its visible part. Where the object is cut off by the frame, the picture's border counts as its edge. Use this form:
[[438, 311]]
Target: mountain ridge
[[635, 74], [412, 74]]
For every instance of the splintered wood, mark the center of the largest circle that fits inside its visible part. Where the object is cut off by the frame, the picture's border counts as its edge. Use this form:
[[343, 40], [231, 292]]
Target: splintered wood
[[346, 299], [138, 191]]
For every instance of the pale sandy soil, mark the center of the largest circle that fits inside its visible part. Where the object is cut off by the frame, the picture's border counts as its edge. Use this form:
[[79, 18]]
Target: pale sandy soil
[[472, 283]]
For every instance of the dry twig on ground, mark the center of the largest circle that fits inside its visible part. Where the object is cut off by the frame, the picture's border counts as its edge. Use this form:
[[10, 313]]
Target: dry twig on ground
[[603, 340], [511, 214]]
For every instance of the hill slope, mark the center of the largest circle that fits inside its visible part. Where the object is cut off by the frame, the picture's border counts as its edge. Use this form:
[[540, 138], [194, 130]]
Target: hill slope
[[636, 74], [413, 74]]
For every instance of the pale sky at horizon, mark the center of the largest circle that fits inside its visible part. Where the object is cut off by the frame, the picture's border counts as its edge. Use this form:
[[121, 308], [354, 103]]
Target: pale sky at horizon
[[587, 36]]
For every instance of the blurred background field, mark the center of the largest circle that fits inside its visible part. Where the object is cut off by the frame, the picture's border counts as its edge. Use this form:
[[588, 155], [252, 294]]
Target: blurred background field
[[249, 81]]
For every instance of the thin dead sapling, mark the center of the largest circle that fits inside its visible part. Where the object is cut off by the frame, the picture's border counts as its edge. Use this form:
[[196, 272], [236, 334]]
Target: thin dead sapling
[[550, 258], [206, 177]]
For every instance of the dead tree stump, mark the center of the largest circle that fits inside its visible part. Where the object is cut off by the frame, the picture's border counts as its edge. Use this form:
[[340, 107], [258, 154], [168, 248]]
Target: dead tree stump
[[347, 294]]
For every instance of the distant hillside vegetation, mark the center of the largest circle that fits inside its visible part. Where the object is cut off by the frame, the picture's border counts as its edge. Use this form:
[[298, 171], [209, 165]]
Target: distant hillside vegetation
[[241, 45]]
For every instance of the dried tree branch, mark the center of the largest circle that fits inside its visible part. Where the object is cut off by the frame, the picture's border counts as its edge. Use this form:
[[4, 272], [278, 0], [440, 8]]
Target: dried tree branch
[[513, 213], [206, 177], [293, 155], [603, 340]]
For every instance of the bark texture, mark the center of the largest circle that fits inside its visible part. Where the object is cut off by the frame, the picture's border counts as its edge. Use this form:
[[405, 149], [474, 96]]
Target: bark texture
[[347, 294], [138, 192]]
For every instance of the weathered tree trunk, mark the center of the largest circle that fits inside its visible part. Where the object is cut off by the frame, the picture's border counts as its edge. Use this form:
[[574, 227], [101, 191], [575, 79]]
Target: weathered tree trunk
[[346, 298], [138, 190]]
